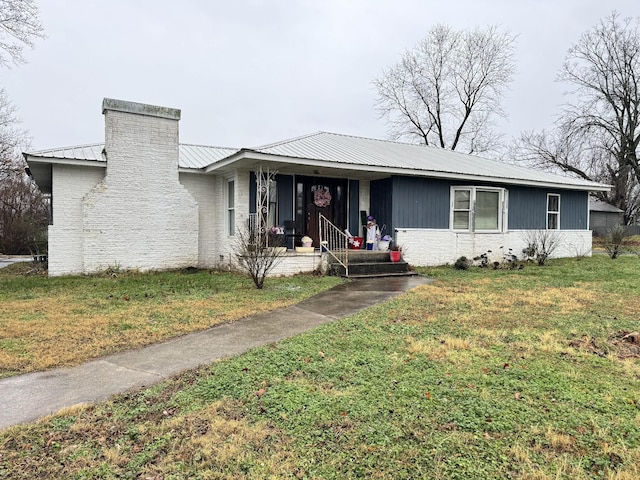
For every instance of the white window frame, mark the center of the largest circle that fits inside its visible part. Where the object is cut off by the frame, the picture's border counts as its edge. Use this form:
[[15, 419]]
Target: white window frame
[[231, 207], [473, 192], [553, 212]]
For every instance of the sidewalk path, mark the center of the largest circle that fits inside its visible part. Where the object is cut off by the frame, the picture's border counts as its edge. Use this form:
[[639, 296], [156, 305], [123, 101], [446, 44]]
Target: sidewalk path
[[25, 398]]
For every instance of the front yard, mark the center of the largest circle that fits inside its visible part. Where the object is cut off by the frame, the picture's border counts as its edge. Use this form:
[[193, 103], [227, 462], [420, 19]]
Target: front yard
[[63, 321], [482, 374]]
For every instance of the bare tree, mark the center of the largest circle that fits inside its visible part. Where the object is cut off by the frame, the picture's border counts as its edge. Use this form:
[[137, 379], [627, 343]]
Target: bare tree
[[19, 26], [23, 211], [24, 216], [12, 139], [598, 133], [447, 90]]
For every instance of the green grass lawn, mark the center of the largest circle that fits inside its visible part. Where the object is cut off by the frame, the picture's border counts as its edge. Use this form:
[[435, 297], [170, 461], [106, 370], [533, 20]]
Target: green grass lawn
[[482, 374], [63, 321]]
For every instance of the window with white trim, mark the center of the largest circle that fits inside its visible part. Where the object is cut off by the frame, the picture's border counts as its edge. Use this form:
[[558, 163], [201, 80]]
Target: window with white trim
[[553, 211], [478, 209], [231, 210]]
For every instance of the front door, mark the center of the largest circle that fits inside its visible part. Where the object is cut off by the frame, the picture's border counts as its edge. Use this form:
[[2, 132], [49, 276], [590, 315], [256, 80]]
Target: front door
[[320, 195]]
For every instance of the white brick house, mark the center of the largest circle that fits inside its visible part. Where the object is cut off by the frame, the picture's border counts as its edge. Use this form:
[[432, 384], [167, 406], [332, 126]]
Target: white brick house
[[141, 200]]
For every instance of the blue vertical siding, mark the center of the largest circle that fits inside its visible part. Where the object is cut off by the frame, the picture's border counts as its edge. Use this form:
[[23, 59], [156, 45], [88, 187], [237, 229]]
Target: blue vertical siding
[[421, 202], [574, 210], [528, 208], [425, 203]]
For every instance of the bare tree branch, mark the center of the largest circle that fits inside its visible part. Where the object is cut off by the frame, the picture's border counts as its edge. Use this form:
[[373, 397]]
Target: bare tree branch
[[598, 131], [447, 90], [19, 26]]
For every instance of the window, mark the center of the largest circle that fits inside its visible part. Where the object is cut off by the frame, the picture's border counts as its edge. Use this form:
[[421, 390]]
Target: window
[[553, 211], [273, 203], [231, 211], [461, 209], [478, 209]]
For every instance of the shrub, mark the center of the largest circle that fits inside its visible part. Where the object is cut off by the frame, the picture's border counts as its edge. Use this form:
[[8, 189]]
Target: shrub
[[462, 263], [614, 243], [540, 245]]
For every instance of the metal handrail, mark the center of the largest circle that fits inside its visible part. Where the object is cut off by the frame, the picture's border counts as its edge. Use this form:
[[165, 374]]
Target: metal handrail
[[334, 242]]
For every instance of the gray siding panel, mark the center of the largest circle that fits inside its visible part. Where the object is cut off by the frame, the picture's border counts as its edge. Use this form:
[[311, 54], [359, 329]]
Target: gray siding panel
[[574, 210], [528, 209], [425, 203], [421, 203]]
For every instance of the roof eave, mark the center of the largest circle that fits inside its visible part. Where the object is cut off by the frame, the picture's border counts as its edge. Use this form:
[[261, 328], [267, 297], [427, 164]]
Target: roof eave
[[29, 158], [268, 157]]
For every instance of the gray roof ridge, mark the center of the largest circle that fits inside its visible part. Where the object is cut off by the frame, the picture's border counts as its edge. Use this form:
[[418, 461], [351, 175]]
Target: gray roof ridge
[[188, 144], [284, 142]]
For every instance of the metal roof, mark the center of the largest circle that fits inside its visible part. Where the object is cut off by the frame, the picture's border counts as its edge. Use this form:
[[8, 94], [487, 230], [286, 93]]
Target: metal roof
[[81, 152], [366, 152], [344, 152], [189, 156], [600, 206]]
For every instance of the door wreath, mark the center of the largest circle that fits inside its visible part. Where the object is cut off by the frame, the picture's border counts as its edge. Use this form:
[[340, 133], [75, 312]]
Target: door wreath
[[321, 196]]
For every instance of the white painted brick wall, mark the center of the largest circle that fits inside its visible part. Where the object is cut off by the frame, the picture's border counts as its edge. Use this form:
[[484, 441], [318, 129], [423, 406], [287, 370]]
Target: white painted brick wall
[[140, 216], [430, 247], [204, 189], [294, 263], [70, 184]]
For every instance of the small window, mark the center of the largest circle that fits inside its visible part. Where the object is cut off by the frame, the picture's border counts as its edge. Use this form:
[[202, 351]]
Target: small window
[[553, 211], [231, 211], [461, 209], [478, 209]]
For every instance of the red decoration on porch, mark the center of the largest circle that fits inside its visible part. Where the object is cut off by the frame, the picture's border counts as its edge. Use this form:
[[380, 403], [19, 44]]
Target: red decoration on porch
[[321, 196], [356, 242]]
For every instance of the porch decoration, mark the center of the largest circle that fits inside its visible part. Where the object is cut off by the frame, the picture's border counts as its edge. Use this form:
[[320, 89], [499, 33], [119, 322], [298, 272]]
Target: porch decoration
[[395, 254], [306, 241], [356, 242], [321, 196], [383, 243]]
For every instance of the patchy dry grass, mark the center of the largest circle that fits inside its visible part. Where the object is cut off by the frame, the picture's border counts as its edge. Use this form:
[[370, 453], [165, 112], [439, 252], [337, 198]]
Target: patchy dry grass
[[483, 374], [49, 322]]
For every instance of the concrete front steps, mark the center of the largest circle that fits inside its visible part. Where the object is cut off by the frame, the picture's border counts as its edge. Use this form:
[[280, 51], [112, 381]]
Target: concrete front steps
[[367, 264]]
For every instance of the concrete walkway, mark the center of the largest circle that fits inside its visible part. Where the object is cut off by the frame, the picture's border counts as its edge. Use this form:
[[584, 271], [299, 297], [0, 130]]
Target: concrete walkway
[[6, 260], [25, 398]]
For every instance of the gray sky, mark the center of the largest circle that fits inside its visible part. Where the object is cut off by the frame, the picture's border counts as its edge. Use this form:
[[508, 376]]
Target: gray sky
[[249, 72]]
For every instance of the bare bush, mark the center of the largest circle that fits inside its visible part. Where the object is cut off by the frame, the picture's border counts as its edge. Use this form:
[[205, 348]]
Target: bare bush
[[540, 245], [254, 254], [614, 243]]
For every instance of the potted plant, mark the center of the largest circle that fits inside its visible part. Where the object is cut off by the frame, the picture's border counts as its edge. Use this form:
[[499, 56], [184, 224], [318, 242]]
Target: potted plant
[[395, 253]]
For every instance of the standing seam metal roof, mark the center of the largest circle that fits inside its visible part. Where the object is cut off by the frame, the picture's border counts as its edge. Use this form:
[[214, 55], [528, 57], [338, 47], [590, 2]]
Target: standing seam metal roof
[[189, 156], [344, 150]]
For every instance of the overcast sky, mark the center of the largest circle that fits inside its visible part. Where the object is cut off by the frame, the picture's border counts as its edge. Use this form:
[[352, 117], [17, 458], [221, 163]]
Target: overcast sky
[[246, 73]]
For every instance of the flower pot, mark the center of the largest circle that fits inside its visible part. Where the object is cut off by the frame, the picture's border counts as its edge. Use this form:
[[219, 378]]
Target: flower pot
[[395, 255], [383, 245]]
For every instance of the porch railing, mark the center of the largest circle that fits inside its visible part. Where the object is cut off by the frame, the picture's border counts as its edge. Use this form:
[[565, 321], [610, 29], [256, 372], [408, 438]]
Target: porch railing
[[335, 242]]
